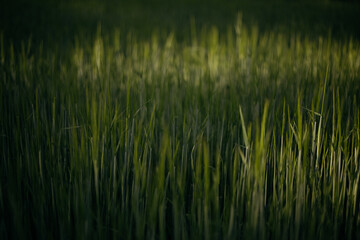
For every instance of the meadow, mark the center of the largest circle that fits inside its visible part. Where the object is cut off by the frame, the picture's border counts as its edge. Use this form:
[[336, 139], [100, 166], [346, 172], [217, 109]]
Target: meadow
[[229, 131]]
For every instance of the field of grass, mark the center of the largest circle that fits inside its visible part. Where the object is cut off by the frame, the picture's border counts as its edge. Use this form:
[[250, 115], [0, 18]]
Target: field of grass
[[222, 132]]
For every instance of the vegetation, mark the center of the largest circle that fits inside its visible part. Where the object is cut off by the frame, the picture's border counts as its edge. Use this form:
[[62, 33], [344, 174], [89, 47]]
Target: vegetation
[[232, 133]]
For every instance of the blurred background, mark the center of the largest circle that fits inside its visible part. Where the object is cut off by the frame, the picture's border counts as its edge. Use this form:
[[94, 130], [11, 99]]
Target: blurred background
[[57, 22]]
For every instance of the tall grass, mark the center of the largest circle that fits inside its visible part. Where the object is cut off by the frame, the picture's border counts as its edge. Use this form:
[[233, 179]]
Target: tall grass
[[243, 135]]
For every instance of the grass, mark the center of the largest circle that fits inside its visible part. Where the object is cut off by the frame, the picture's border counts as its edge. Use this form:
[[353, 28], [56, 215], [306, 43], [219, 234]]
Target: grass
[[235, 133]]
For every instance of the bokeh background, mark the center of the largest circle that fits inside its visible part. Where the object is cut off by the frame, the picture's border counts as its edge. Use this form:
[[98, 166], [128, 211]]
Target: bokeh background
[[57, 22]]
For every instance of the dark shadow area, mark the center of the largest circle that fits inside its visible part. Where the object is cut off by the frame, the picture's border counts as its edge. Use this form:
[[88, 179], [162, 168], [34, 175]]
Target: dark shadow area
[[57, 22]]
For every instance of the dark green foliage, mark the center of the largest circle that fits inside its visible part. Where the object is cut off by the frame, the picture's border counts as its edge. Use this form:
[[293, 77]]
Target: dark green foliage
[[205, 132]]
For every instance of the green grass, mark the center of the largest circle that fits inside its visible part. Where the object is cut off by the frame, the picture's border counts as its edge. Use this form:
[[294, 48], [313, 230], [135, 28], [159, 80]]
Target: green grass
[[235, 133]]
